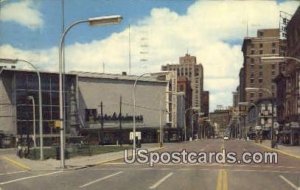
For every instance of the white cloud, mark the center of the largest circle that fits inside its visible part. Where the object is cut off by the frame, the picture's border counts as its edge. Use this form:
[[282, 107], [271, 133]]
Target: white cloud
[[42, 59], [23, 13], [206, 31]]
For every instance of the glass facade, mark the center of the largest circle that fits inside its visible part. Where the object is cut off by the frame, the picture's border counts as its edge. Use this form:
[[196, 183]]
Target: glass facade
[[26, 85]]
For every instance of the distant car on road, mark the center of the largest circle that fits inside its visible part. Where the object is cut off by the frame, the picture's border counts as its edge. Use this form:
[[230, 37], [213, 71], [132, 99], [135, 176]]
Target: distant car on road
[[226, 137]]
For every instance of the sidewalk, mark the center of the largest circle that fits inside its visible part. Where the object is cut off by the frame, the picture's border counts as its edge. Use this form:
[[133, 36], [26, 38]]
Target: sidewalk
[[72, 163], [293, 151]]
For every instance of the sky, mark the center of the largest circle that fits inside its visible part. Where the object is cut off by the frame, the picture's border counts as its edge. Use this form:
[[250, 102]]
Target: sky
[[165, 30]]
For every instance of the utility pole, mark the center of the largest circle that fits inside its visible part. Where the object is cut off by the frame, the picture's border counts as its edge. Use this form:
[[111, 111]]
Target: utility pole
[[120, 121], [101, 122]]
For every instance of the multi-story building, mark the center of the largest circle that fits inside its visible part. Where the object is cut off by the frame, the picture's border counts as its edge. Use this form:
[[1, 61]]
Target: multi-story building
[[93, 101], [184, 85], [220, 118], [288, 85], [205, 103], [236, 97], [259, 118], [17, 115], [189, 68], [257, 73], [241, 91]]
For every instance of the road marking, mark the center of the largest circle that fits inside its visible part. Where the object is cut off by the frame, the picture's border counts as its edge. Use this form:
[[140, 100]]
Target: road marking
[[161, 181], [12, 173], [276, 150], [222, 181], [18, 164], [100, 179], [289, 182], [29, 177]]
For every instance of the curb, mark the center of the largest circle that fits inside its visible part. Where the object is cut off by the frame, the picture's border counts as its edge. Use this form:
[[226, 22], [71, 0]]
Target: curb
[[70, 167], [103, 162], [16, 163], [280, 151]]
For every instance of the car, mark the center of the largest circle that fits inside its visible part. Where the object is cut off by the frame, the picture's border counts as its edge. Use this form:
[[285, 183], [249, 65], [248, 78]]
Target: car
[[226, 137]]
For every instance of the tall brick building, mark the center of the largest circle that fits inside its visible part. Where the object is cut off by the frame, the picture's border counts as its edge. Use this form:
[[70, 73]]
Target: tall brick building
[[288, 101], [257, 73], [189, 68]]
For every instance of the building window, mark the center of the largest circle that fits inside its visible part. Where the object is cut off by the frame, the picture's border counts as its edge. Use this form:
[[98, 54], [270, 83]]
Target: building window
[[260, 67], [251, 95], [181, 88], [252, 45], [260, 80], [252, 66], [252, 75], [273, 44], [260, 73], [260, 94], [273, 73], [251, 81], [261, 52], [273, 66], [273, 51], [252, 52], [261, 45], [252, 60]]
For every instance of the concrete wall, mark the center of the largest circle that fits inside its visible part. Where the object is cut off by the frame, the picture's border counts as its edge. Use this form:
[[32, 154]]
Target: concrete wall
[[148, 94], [7, 109]]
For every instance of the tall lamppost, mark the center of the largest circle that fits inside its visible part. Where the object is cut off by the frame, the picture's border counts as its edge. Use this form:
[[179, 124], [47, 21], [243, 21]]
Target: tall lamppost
[[161, 112], [14, 61], [188, 109], [33, 116], [272, 101], [104, 20], [193, 124], [134, 104]]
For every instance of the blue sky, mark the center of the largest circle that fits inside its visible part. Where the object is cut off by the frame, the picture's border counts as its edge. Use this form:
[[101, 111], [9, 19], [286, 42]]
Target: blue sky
[[48, 36], [212, 31]]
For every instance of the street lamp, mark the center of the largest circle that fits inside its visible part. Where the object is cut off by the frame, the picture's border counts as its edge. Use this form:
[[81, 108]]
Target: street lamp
[[279, 58], [192, 108], [272, 101], [104, 20], [14, 61], [160, 115], [134, 104], [33, 116]]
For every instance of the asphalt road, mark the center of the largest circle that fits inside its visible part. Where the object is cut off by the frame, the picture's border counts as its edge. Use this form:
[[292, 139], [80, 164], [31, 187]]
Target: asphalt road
[[285, 175]]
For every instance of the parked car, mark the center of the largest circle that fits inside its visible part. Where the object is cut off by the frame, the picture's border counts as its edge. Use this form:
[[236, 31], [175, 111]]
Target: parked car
[[226, 137]]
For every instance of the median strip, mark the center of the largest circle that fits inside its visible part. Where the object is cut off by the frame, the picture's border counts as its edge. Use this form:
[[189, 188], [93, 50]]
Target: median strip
[[15, 163]]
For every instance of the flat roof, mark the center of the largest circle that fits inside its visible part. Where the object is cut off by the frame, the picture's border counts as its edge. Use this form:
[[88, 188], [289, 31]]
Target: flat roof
[[31, 71], [117, 76]]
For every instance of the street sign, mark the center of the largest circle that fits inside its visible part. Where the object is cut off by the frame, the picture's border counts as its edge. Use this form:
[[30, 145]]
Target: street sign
[[57, 124], [137, 134]]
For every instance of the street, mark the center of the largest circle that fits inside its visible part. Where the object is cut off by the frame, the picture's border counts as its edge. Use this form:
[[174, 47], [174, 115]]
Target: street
[[211, 176]]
